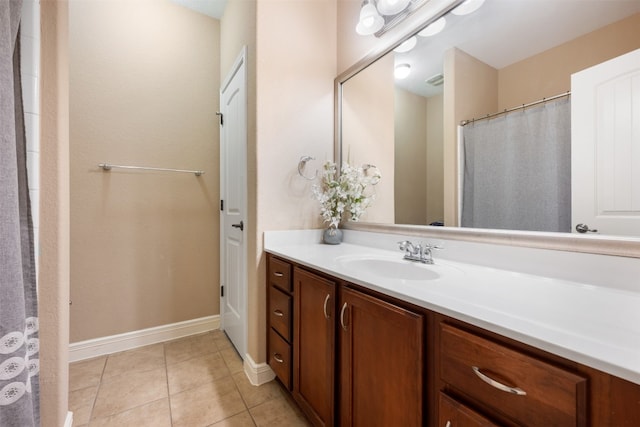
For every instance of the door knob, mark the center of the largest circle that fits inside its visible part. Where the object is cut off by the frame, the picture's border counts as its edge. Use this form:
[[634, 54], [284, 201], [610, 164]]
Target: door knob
[[583, 228], [240, 226]]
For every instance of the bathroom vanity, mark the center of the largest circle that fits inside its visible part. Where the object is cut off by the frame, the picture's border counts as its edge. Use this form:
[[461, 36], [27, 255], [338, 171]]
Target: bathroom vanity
[[361, 337]]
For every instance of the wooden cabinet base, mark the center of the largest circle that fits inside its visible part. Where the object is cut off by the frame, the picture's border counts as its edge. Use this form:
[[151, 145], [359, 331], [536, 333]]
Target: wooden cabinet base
[[355, 357], [381, 363]]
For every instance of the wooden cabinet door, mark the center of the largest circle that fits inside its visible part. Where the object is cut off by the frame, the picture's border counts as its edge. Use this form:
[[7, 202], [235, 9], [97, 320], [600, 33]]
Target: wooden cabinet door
[[314, 346], [452, 413], [381, 363]]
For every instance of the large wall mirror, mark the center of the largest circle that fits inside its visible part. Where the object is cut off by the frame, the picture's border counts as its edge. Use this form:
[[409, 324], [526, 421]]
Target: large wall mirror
[[506, 55]]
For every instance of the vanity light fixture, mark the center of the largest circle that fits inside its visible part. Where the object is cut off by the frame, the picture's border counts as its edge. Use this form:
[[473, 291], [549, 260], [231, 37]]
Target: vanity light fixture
[[370, 20], [407, 45], [467, 7], [392, 7], [433, 28], [402, 71], [379, 16]]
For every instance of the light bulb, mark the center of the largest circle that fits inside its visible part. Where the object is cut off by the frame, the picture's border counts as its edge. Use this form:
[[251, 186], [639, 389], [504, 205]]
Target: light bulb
[[392, 7], [433, 28], [402, 71], [407, 45], [370, 21], [467, 7]]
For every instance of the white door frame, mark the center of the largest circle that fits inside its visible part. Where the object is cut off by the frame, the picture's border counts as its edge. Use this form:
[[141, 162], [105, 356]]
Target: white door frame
[[239, 66]]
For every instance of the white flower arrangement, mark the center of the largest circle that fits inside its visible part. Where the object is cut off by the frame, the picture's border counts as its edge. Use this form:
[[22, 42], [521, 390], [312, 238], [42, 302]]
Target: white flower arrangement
[[344, 193]]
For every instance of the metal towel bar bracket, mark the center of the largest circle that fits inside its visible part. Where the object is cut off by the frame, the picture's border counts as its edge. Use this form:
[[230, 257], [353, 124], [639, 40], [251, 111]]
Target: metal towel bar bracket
[[109, 166], [302, 163]]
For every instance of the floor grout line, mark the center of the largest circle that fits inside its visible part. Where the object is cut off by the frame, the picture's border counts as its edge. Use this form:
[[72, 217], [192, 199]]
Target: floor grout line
[[191, 350]]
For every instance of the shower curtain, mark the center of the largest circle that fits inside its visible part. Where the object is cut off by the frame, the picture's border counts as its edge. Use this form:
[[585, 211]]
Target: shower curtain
[[19, 349], [517, 170]]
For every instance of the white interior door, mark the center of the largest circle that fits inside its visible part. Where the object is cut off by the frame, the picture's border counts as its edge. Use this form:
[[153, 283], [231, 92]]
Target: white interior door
[[605, 146], [233, 194]]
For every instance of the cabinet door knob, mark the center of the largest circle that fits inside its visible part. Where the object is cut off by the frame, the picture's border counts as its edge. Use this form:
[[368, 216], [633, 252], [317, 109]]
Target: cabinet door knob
[[448, 424], [344, 308], [278, 358], [498, 385], [278, 313], [324, 308]]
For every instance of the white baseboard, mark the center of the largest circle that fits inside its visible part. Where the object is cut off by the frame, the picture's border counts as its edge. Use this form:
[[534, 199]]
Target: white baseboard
[[129, 340], [68, 422], [258, 373]]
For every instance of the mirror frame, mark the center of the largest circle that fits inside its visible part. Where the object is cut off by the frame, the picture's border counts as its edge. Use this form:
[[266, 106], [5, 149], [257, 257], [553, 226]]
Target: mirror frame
[[592, 244]]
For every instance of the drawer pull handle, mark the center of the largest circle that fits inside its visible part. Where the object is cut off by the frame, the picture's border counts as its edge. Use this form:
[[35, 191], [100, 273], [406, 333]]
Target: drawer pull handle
[[448, 424], [344, 307], [498, 385], [278, 274], [324, 308], [278, 357], [278, 313]]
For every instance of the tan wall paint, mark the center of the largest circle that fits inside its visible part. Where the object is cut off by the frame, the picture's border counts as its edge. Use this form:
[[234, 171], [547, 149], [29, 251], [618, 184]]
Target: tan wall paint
[[296, 65], [471, 89], [144, 245], [352, 47], [368, 133], [410, 177], [435, 164], [549, 73], [53, 275]]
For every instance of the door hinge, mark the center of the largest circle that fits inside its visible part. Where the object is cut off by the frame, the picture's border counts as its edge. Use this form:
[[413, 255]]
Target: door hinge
[[221, 205], [218, 113], [221, 291]]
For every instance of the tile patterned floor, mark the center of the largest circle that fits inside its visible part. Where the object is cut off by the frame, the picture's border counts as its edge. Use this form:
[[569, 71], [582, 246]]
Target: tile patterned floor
[[192, 382]]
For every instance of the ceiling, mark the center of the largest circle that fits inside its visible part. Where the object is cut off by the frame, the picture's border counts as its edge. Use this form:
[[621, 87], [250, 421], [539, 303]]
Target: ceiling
[[212, 8], [503, 32]]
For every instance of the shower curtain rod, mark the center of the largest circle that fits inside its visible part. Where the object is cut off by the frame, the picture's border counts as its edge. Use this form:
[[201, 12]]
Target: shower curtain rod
[[109, 166], [488, 116]]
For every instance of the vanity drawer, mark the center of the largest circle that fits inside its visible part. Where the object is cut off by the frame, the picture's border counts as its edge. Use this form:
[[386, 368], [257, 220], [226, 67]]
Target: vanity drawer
[[452, 413], [280, 357], [280, 312], [507, 382], [280, 274]]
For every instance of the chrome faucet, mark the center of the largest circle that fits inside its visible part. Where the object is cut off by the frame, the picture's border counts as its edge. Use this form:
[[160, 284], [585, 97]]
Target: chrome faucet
[[420, 252]]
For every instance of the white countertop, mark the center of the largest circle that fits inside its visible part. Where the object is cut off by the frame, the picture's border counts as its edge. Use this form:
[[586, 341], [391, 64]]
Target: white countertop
[[597, 326]]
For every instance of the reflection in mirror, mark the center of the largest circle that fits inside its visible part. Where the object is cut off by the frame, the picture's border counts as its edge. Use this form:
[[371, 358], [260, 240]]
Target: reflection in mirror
[[504, 55]]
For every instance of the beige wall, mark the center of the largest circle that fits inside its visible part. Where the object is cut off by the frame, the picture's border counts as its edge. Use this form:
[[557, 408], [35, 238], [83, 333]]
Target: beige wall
[[435, 165], [471, 89], [410, 178], [368, 131], [418, 172], [352, 46], [144, 245], [549, 73], [53, 262], [296, 65]]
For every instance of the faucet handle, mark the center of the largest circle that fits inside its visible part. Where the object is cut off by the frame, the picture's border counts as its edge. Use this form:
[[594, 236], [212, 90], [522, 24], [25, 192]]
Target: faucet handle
[[403, 245], [432, 246]]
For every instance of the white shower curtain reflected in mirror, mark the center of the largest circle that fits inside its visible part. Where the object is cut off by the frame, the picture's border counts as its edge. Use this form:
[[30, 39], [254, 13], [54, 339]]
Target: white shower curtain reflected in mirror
[[19, 345], [517, 170]]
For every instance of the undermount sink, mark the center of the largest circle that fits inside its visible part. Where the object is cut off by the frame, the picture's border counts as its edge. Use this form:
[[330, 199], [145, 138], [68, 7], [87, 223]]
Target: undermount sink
[[392, 268]]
